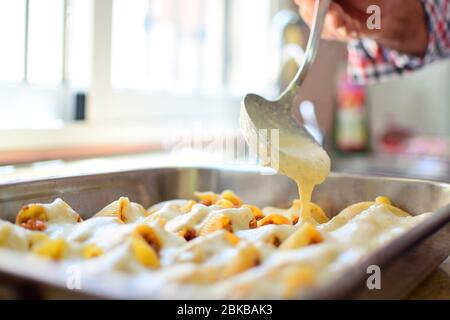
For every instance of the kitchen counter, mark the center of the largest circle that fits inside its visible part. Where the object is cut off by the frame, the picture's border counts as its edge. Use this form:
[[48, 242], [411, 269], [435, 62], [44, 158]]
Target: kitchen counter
[[436, 286]]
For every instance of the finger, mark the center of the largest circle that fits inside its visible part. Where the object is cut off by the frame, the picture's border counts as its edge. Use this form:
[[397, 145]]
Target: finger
[[347, 30], [343, 26], [338, 25], [335, 22], [357, 29], [306, 9], [352, 29], [305, 4], [308, 17]]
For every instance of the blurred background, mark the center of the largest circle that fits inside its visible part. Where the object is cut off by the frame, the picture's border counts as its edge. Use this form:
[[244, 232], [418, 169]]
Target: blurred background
[[100, 85]]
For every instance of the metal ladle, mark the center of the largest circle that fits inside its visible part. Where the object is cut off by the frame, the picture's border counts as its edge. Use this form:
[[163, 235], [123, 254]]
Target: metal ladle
[[259, 114]]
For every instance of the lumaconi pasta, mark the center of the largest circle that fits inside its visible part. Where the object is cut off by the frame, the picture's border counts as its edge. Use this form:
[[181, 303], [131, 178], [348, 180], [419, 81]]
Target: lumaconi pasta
[[39, 214], [216, 245]]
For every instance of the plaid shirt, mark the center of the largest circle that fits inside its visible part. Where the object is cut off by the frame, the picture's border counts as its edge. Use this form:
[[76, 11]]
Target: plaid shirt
[[369, 62]]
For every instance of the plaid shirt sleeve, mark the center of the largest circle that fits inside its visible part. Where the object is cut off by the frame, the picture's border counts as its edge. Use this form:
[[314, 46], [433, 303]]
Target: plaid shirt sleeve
[[369, 62]]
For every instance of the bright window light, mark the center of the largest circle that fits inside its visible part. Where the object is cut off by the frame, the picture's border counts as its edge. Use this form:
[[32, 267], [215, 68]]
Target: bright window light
[[12, 38], [79, 43], [191, 46], [45, 41]]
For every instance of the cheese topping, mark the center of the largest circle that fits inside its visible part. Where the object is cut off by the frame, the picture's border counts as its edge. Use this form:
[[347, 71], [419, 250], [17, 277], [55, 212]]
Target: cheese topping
[[217, 247]]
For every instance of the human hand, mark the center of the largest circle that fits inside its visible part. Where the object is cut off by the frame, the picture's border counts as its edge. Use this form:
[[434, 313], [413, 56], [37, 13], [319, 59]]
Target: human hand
[[402, 26]]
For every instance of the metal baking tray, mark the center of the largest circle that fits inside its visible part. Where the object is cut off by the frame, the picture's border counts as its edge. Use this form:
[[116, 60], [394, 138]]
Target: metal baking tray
[[404, 263]]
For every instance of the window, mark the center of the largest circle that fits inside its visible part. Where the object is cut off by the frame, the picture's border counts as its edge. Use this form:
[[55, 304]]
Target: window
[[45, 58], [32, 31], [191, 46], [45, 41], [45, 38], [12, 36], [137, 59], [79, 26]]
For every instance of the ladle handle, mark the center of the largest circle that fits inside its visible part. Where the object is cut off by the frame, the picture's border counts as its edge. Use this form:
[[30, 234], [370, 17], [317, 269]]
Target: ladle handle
[[320, 10]]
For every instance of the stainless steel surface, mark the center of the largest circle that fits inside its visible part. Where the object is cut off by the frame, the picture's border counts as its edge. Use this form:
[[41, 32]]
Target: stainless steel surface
[[259, 113], [393, 165], [405, 263]]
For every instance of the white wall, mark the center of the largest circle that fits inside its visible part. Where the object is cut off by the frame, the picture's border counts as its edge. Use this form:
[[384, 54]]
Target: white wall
[[25, 105]]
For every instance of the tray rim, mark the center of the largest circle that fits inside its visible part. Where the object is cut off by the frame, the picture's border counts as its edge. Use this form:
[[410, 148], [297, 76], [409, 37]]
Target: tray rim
[[229, 168], [406, 242]]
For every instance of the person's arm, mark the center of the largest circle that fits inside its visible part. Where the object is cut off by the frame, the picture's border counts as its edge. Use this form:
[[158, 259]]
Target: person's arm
[[412, 33], [370, 61]]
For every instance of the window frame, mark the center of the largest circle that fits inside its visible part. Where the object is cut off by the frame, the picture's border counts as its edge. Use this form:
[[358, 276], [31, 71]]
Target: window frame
[[105, 102], [54, 98], [108, 108]]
